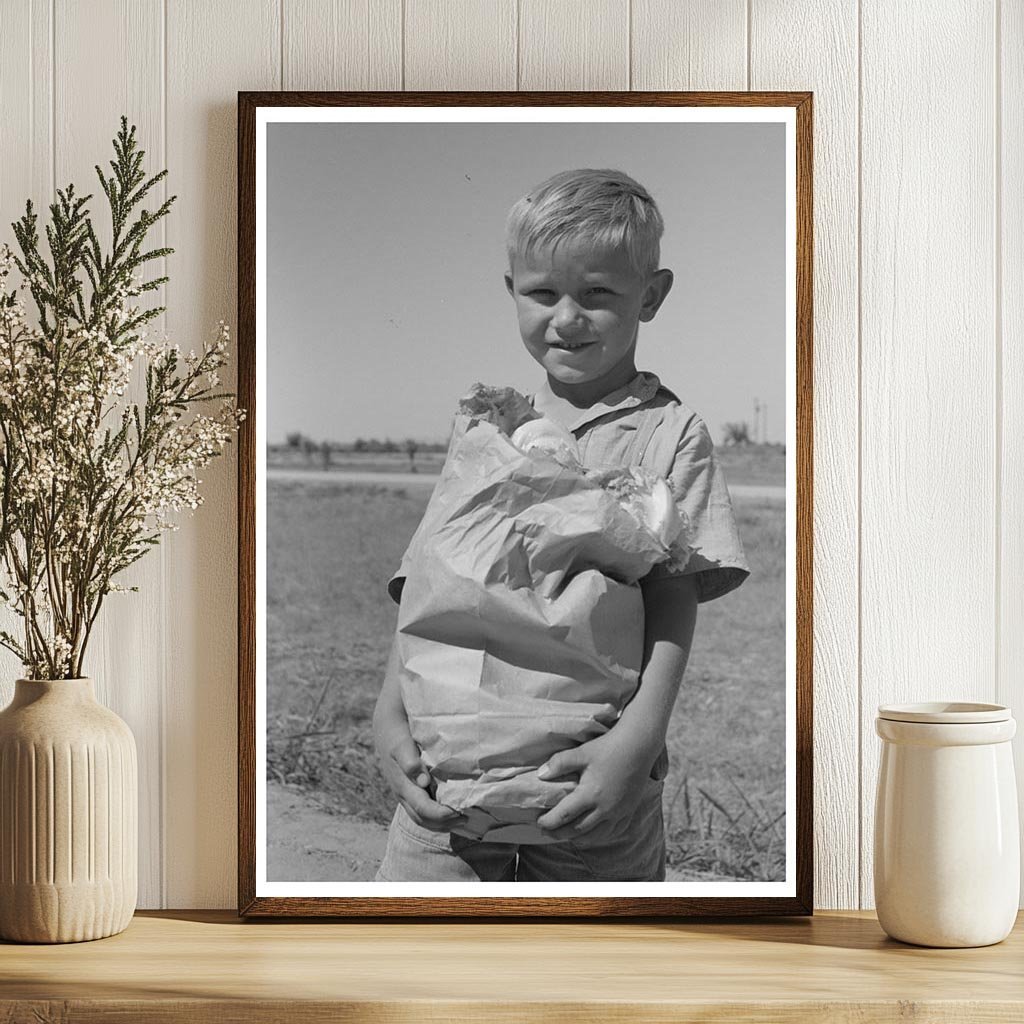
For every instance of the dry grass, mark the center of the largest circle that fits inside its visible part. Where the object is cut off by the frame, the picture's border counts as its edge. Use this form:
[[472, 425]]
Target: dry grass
[[725, 793], [331, 549], [754, 464]]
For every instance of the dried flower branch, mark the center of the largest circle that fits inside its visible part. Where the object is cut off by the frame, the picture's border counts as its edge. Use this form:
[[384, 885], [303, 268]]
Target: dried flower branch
[[87, 481]]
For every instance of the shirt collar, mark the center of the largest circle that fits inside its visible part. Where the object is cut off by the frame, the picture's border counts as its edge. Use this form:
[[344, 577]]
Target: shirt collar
[[642, 388]]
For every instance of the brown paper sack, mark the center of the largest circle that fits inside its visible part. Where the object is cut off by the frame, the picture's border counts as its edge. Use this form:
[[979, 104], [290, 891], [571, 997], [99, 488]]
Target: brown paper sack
[[520, 628]]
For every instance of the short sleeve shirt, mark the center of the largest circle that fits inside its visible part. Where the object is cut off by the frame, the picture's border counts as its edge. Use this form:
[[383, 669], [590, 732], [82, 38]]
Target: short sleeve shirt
[[643, 423]]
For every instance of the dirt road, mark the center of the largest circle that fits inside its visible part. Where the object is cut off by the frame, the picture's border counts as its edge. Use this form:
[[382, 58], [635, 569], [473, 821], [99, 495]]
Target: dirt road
[[427, 480], [306, 844]]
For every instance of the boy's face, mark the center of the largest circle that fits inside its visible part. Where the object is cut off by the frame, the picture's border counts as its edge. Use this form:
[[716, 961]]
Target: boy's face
[[579, 310]]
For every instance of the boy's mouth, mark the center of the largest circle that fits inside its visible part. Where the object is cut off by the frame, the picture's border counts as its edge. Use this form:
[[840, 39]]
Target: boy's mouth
[[569, 346]]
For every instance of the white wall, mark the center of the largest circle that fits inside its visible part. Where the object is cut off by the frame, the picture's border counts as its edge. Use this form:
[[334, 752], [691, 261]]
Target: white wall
[[919, 327]]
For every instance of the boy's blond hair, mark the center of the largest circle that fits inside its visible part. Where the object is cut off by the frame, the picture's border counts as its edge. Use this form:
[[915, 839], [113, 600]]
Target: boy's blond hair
[[605, 208]]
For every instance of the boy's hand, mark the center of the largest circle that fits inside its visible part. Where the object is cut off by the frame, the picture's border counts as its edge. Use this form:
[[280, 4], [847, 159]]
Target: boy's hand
[[411, 782], [399, 757], [612, 770]]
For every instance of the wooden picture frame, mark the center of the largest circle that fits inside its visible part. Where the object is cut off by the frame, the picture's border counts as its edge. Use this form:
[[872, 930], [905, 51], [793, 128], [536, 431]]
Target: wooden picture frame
[[792, 895]]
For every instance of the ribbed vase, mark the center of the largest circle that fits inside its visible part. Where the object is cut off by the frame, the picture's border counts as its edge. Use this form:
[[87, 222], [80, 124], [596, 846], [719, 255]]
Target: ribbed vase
[[68, 815]]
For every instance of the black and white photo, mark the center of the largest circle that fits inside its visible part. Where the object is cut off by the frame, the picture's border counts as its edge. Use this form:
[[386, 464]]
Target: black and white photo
[[524, 469]]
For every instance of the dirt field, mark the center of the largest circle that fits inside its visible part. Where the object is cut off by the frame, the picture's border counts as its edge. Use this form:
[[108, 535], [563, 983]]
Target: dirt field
[[309, 844]]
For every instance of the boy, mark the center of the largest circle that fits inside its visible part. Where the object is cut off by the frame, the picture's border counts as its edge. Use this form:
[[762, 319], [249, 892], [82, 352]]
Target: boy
[[583, 252]]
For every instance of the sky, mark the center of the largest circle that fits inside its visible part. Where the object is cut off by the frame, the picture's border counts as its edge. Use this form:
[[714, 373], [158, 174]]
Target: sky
[[385, 260]]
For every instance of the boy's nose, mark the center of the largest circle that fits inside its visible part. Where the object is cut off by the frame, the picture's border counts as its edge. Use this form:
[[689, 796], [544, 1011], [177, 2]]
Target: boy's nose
[[566, 316]]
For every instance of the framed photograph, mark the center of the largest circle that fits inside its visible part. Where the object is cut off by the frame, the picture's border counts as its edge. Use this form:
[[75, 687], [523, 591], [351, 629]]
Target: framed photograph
[[525, 493]]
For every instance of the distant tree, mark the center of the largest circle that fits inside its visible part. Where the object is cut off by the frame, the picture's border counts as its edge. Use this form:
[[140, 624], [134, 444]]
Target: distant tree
[[389, 445], [360, 445], [294, 440], [737, 434]]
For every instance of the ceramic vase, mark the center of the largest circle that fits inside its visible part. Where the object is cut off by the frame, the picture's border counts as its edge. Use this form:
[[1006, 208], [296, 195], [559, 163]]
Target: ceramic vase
[[68, 815], [947, 847]]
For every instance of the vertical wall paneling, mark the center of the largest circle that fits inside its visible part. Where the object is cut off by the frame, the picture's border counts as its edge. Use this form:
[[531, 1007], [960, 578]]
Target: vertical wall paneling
[[814, 46], [122, 658], [26, 128], [342, 44], [930, 559], [213, 51], [460, 44], [574, 44], [1010, 178], [928, 521], [17, 62], [25, 107], [695, 44]]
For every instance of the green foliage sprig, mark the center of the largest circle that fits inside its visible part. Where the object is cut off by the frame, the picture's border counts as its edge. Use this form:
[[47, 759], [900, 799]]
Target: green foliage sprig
[[86, 480]]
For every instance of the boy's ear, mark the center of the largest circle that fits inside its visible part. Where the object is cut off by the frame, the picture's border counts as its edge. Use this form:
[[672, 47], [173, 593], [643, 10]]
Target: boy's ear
[[508, 284], [657, 288]]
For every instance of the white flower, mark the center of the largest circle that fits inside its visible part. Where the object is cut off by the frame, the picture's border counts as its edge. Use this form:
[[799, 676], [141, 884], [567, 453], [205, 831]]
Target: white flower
[[96, 501]]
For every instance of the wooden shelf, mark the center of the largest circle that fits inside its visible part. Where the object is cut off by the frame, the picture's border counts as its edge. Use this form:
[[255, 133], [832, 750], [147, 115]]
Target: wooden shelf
[[210, 967]]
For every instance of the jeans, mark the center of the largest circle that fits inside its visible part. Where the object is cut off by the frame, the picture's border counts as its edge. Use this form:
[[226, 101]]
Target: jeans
[[629, 850]]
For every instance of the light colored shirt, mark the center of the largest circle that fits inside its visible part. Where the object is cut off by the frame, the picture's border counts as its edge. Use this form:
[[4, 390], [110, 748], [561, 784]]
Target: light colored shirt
[[645, 424]]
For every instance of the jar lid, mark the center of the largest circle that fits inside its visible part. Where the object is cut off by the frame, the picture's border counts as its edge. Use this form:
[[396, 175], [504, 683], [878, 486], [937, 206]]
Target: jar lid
[[945, 712]]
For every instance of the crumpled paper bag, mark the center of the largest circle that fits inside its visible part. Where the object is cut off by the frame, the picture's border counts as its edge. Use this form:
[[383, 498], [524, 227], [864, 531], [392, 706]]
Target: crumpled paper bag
[[520, 628]]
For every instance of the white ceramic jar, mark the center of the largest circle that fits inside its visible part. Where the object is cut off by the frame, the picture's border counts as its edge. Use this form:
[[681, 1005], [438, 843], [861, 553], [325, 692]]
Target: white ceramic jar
[[947, 847]]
